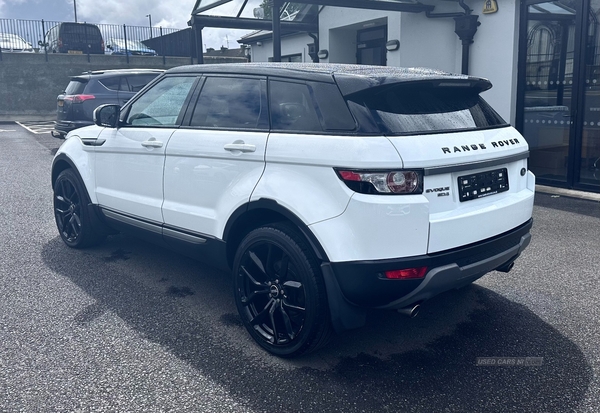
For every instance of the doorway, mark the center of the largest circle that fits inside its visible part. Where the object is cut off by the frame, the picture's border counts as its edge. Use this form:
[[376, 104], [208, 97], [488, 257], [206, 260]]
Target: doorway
[[558, 108], [370, 46]]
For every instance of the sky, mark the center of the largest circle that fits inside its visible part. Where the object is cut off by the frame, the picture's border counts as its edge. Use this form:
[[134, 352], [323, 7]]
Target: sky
[[165, 13]]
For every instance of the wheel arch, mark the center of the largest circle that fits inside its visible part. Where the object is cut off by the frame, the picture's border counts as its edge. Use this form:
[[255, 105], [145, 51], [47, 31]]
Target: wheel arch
[[261, 212], [343, 314], [62, 162]]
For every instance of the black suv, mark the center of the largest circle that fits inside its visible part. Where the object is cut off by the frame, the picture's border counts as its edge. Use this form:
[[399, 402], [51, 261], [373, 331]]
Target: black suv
[[75, 38], [84, 93]]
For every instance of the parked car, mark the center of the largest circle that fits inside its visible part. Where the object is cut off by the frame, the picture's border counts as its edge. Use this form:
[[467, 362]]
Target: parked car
[[131, 47], [84, 93], [326, 189], [74, 38], [11, 43]]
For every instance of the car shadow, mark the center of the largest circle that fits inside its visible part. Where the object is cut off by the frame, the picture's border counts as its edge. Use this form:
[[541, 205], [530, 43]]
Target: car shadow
[[426, 364]]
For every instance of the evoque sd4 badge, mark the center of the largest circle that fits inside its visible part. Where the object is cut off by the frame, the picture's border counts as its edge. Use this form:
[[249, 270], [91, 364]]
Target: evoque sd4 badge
[[441, 191]]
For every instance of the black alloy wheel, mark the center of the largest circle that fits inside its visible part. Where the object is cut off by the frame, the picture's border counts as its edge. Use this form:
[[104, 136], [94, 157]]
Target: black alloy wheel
[[71, 213], [280, 293]]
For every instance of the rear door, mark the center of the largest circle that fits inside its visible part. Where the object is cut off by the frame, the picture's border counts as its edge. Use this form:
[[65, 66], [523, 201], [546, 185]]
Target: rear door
[[213, 164], [475, 165]]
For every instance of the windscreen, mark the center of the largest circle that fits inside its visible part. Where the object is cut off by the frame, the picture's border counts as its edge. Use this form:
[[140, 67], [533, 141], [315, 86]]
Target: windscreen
[[427, 108]]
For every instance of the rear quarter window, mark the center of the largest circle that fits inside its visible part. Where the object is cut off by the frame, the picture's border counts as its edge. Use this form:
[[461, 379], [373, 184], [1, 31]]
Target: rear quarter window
[[308, 107], [422, 108]]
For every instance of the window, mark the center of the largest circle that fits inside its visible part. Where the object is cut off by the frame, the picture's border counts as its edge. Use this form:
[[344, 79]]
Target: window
[[162, 104], [405, 109], [292, 107], [292, 58], [231, 103]]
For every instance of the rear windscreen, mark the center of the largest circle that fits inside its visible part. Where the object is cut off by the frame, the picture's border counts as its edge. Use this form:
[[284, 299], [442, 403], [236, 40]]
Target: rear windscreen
[[81, 29], [75, 87], [423, 108]]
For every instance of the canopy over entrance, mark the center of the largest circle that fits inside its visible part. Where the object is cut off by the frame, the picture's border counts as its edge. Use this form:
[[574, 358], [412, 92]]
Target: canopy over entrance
[[249, 15]]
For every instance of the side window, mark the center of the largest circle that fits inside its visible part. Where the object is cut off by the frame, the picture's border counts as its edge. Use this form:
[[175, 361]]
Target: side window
[[293, 108], [162, 104], [231, 103]]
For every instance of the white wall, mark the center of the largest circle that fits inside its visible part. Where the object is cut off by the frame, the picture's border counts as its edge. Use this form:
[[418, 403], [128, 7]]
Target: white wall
[[338, 27], [289, 45], [494, 55], [431, 43]]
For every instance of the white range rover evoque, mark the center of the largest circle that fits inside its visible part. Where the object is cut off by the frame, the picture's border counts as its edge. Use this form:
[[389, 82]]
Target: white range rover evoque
[[326, 189]]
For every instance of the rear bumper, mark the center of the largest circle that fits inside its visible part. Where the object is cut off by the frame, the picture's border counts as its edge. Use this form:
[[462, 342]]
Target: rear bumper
[[362, 283], [62, 127]]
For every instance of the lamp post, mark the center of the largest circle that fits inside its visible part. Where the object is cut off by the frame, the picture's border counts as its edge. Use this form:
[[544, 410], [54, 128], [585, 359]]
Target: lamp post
[[149, 16], [75, 8]]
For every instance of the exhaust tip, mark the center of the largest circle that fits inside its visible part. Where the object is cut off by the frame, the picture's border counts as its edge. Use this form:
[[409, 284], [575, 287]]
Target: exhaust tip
[[411, 311], [506, 268]]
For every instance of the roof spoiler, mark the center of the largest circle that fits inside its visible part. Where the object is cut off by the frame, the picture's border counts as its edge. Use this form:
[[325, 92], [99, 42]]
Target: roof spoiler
[[350, 85]]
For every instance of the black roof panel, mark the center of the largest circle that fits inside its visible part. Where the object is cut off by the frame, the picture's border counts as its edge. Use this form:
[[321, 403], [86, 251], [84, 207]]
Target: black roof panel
[[350, 77]]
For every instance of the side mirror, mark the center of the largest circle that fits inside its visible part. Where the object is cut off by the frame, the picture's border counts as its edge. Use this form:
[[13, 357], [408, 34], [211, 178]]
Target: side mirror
[[109, 47], [107, 115]]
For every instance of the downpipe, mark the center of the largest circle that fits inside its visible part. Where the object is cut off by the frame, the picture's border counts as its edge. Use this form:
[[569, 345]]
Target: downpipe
[[410, 311]]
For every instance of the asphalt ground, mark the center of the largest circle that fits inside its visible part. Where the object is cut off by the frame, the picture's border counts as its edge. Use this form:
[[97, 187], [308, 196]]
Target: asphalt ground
[[128, 326]]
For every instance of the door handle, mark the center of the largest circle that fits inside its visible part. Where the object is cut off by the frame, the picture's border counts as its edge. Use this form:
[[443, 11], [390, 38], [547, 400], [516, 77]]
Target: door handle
[[240, 146], [152, 143]]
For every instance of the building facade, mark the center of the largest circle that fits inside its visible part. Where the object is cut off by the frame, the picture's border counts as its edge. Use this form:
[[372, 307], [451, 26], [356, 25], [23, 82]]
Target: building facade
[[543, 58]]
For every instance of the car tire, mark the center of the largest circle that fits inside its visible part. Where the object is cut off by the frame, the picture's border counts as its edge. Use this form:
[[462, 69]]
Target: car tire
[[280, 293], [76, 226]]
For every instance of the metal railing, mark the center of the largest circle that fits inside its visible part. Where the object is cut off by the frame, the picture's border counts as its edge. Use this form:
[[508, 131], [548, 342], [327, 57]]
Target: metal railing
[[118, 39]]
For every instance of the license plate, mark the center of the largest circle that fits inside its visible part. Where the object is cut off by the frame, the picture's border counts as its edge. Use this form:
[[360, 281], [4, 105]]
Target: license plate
[[483, 184], [75, 52]]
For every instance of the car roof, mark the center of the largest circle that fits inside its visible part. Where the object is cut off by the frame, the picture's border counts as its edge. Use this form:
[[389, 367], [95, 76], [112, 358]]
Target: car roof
[[111, 72], [350, 77]]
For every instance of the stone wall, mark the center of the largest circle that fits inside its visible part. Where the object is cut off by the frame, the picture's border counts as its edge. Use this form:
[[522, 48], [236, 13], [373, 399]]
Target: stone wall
[[29, 84]]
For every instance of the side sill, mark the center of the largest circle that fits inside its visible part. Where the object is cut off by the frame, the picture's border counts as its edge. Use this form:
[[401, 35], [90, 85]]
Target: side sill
[[197, 246]]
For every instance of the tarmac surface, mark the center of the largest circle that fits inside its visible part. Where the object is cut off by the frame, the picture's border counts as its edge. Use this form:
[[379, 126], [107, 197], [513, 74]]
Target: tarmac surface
[[128, 326]]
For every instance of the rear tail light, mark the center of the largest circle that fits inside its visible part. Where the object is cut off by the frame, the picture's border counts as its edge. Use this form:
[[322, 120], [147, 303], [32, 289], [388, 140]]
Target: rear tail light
[[406, 274], [398, 182], [79, 98]]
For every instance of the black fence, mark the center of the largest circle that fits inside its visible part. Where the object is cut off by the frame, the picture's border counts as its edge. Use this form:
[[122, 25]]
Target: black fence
[[116, 39]]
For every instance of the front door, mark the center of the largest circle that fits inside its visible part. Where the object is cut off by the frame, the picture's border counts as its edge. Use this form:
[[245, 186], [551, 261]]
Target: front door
[[130, 163], [370, 46]]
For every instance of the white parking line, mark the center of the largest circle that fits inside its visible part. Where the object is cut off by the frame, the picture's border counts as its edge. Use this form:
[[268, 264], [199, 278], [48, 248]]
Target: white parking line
[[37, 127]]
